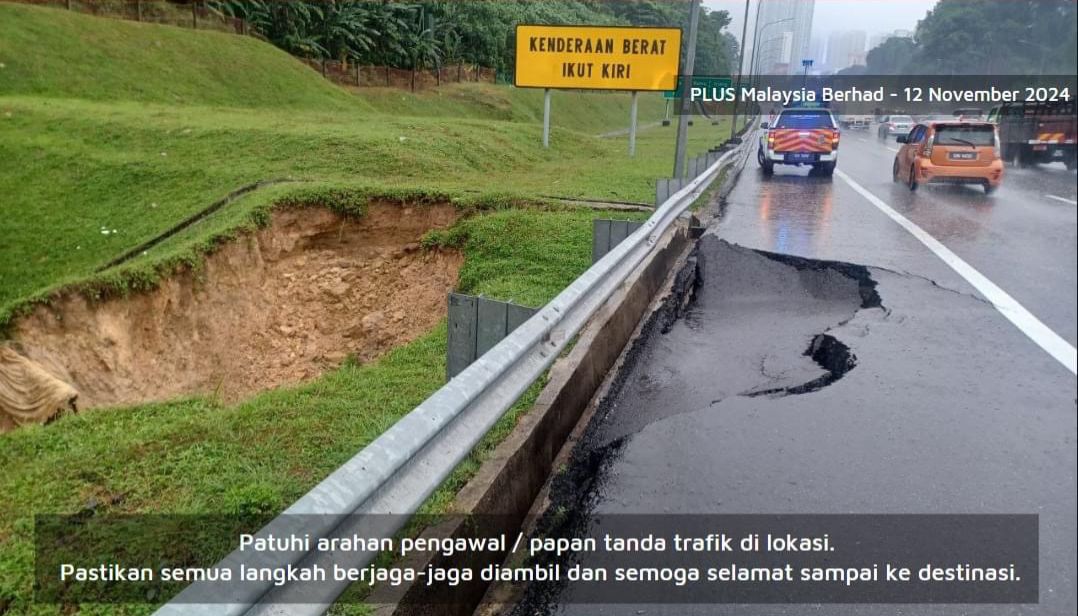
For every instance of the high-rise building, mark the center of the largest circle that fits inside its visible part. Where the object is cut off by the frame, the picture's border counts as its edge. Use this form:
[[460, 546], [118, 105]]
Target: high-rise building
[[784, 30], [816, 52], [846, 48]]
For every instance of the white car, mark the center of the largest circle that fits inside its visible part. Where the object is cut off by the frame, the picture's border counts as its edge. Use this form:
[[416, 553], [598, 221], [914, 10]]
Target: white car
[[894, 125]]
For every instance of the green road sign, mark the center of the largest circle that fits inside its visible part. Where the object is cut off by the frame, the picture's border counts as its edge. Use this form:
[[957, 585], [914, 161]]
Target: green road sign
[[699, 82]]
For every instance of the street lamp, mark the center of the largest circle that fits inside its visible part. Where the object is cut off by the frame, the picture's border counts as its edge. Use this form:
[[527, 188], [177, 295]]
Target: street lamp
[[740, 69], [756, 37]]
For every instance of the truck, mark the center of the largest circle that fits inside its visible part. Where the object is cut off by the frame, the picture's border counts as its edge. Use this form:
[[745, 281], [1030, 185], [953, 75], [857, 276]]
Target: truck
[[800, 136], [1035, 133]]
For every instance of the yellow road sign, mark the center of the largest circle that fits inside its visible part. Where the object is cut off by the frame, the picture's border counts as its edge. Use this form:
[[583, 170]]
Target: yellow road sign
[[597, 57]]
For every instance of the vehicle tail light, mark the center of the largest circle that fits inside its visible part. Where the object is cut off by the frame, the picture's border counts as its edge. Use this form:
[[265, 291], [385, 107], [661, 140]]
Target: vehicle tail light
[[995, 145], [834, 139], [928, 146], [771, 142]]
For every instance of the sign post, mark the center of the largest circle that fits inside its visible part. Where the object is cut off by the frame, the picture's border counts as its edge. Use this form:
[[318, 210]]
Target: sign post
[[546, 118], [630, 59]]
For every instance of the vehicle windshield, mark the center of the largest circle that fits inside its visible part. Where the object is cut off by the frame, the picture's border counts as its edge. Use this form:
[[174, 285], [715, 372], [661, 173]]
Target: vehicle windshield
[[965, 135], [804, 119], [901, 120]]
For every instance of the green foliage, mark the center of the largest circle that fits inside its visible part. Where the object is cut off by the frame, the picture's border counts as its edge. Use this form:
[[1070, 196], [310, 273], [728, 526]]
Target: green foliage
[[986, 37], [423, 35], [892, 57]]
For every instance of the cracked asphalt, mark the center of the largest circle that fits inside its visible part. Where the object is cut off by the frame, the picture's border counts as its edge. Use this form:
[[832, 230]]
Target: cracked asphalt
[[932, 402]]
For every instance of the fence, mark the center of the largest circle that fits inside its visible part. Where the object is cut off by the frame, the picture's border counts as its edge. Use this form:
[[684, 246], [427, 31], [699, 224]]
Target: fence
[[196, 15], [357, 75], [666, 187], [476, 324], [192, 15], [606, 234]]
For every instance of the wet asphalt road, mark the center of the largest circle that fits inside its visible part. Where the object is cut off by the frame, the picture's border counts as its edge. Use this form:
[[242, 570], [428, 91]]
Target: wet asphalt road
[[949, 409]]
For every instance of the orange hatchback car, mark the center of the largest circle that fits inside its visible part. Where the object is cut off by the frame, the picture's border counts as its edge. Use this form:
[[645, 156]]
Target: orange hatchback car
[[953, 152]]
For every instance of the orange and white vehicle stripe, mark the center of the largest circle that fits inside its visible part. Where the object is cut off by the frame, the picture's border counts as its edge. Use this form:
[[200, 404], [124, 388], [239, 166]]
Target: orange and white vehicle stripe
[[800, 140]]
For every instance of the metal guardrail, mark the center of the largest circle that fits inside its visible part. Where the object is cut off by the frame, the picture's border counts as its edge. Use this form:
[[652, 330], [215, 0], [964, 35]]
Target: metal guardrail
[[398, 471]]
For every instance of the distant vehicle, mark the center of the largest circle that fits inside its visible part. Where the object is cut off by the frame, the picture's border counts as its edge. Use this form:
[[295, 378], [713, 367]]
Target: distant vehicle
[[939, 117], [1032, 133], [968, 113], [800, 136], [949, 152], [858, 122], [894, 125]]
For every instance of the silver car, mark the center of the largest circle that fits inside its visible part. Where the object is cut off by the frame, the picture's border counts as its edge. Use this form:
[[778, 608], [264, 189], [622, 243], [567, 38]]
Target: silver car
[[894, 125]]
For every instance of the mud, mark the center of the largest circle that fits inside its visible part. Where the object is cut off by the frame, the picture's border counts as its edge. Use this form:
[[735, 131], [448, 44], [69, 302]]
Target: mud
[[276, 307]]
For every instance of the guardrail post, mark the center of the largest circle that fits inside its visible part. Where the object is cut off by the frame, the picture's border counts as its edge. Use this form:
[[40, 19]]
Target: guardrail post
[[619, 229], [491, 319], [515, 315], [600, 239], [462, 333], [662, 191], [607, 234]]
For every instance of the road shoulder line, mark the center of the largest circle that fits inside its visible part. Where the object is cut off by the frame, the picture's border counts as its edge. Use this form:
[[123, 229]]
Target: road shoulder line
[[1023, 319], [1063, 199]]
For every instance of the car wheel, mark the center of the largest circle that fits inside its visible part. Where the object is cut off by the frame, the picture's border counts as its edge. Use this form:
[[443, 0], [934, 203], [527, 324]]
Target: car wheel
[[768, 168], [894, 171], [913, 179], [1025, 158], [1071, 163], [825, 169], [988, 188]]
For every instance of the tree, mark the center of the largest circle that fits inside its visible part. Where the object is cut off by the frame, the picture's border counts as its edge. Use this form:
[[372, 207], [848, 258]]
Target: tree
[[997, 37], [892, 57], [421, 35]]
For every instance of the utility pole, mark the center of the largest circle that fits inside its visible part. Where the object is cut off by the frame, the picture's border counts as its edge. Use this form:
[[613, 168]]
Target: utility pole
[[755, 38], [740, 70], [686, 94]]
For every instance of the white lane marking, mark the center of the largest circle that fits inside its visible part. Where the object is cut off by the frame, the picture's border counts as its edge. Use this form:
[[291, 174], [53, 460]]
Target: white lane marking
[[1023, 319], [1070, 201]]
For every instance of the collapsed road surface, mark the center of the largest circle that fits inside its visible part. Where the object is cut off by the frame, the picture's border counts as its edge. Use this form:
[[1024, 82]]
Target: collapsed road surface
[[828, 362]]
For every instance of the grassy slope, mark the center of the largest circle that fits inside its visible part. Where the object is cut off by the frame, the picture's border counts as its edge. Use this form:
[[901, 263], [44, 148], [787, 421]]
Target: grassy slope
[[77, 167], [109, 140], [63, 54]]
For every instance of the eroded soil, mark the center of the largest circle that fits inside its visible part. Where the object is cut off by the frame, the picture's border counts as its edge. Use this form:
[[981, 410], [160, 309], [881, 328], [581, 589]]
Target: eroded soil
[[279, 306]]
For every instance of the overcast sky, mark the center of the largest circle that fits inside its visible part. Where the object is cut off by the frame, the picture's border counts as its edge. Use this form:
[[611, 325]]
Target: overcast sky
[[872, 16]]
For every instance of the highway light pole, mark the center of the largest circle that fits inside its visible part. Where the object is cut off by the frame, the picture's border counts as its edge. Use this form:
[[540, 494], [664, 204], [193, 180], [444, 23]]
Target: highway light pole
[[686, 98], [759, 31], [741, 66]]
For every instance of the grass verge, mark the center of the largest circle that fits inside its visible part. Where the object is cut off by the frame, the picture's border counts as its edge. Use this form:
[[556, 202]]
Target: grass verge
[[197, 456]]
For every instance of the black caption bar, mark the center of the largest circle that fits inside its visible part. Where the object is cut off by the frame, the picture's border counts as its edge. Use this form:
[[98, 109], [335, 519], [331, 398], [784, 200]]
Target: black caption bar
[[667, 559]]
